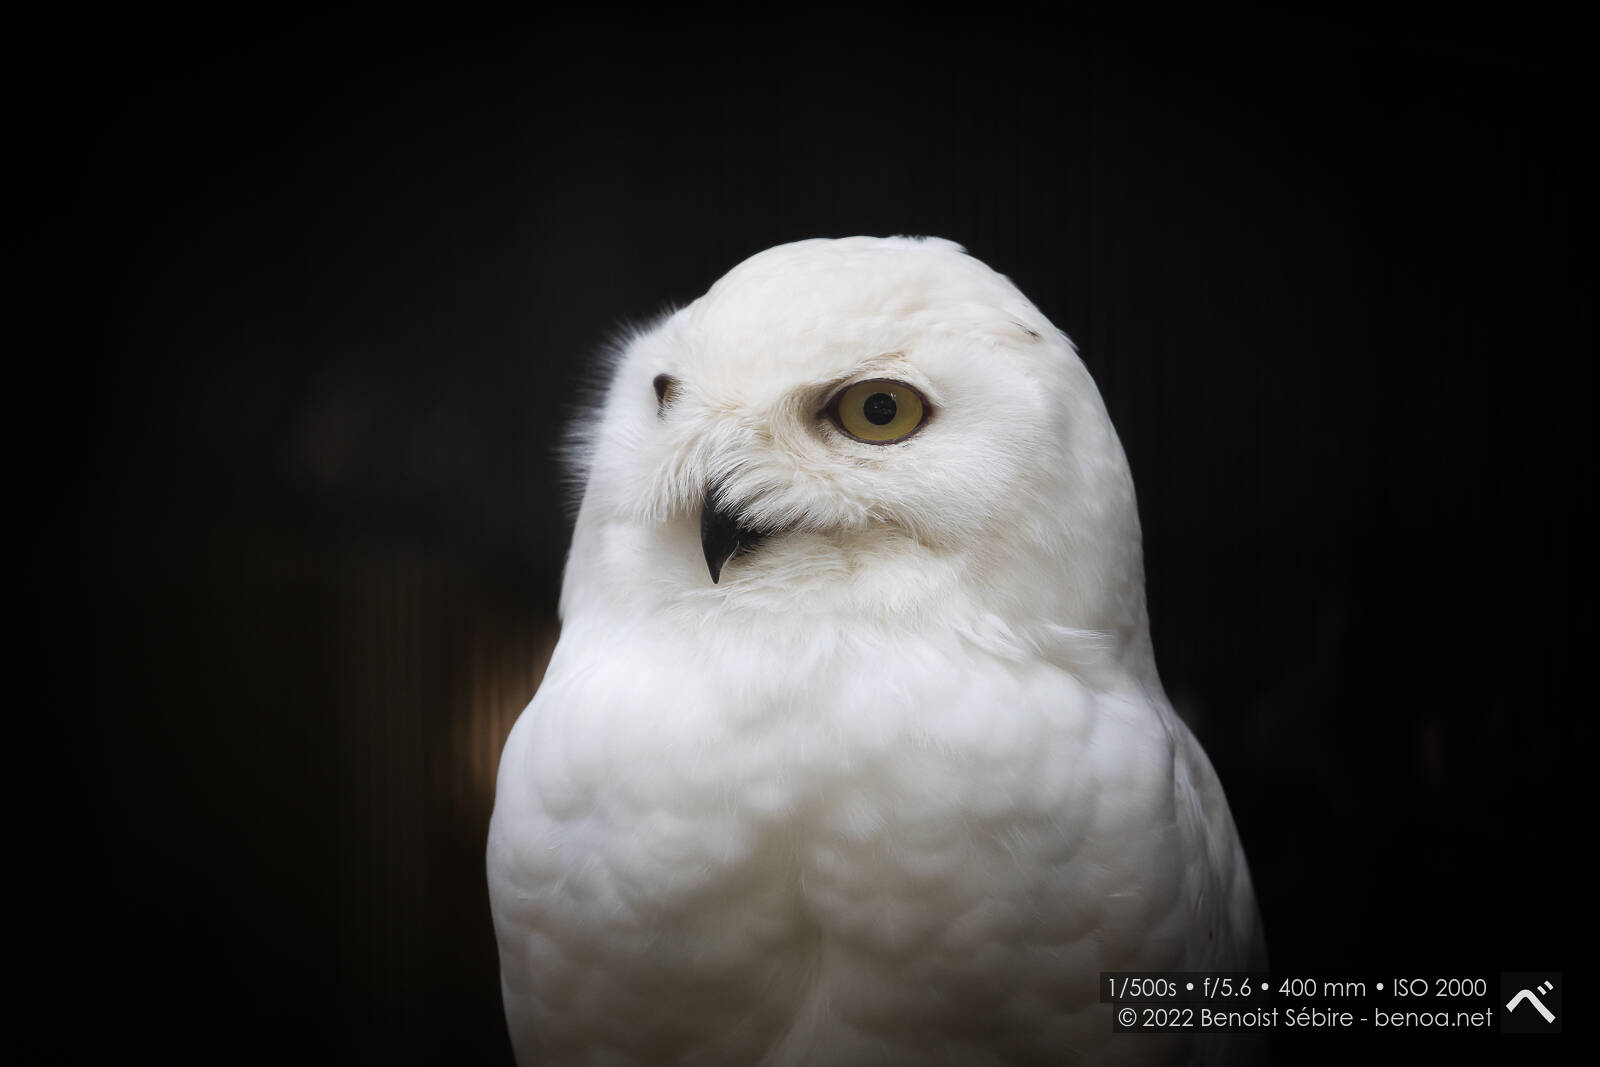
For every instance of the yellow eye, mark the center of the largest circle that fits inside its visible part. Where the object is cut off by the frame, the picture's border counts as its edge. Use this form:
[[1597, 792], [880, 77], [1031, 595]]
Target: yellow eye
[[879, 411]]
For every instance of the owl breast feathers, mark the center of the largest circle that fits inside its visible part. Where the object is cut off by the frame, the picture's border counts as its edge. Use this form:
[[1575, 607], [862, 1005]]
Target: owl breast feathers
[[853, 749]]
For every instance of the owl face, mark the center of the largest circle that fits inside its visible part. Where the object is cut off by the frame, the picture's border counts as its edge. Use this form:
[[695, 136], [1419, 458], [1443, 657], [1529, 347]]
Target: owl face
[[862, 420]]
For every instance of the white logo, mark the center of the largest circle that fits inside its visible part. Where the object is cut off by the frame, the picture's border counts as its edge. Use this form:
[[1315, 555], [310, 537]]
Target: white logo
[[1527, 994]]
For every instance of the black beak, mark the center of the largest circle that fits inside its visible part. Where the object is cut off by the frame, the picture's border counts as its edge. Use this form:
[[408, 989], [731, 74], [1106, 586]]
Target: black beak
[[722, 535]]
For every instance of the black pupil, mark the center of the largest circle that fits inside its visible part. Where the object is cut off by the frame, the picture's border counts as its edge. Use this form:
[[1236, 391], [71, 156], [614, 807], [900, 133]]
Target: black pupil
[[879, 409]]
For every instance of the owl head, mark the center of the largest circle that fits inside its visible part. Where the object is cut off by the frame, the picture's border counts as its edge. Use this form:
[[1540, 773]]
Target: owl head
[[883, 432]]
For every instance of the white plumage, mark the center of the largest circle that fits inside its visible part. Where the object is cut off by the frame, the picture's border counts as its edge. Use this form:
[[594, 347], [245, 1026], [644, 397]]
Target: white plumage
[[902, 782]]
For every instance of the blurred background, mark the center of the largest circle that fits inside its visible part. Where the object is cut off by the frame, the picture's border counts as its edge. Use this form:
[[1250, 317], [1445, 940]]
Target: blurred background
[[339, 284]]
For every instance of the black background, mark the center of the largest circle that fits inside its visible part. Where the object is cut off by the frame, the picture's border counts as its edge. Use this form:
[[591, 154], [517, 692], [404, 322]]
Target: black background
[[337, 286]]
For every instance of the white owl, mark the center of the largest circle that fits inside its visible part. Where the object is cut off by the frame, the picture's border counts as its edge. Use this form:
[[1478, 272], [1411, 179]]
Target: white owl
[[853, 749]]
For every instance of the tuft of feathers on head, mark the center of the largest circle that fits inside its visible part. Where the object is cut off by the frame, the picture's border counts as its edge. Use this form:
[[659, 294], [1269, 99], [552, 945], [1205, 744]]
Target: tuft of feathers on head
[[586, 408]]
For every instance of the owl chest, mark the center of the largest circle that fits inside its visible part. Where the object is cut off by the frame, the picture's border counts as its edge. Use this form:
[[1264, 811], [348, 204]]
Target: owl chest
[[871, 800], [826, 856]]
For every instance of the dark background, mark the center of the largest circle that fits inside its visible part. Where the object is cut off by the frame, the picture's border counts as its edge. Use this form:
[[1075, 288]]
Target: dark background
[[337, 285]]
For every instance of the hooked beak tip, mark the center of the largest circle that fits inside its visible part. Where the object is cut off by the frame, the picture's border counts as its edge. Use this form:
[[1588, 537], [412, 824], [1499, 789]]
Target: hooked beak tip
[[722, 535]]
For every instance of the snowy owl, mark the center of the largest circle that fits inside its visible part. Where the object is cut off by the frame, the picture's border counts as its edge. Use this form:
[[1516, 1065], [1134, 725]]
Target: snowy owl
[[853, 750]]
